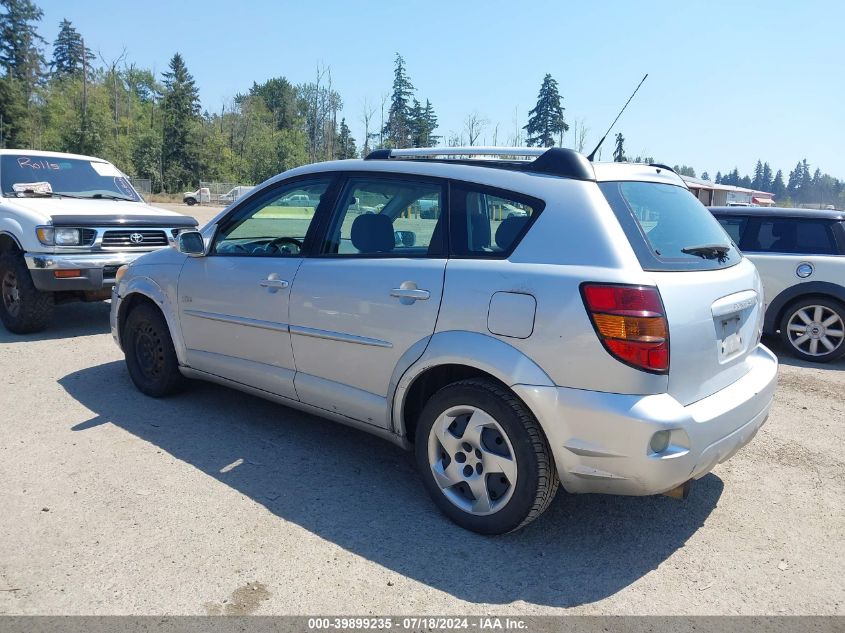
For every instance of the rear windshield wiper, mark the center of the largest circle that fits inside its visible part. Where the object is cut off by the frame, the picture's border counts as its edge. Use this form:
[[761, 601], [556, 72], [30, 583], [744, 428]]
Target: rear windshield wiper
[[708, 251]]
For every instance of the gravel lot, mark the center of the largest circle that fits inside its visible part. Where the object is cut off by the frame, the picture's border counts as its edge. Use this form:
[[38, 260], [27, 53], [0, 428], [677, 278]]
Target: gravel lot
[[218, 502]]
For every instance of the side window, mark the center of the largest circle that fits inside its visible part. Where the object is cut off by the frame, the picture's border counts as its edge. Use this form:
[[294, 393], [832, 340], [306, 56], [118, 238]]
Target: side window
[[791, 235], [734, 227], [274, 226], [387, 216], [488, 222]]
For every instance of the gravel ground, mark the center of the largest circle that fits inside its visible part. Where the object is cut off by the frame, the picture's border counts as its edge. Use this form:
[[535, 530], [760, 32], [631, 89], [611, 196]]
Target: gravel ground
[[218, 502]]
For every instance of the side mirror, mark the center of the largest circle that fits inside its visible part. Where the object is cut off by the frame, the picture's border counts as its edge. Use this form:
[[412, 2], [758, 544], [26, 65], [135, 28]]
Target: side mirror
[[191, 243], [405, 238]]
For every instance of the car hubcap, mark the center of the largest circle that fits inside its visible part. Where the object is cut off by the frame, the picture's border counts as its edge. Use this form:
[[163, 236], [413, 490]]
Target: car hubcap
[[816, 330], [149, 351], [11, 294], [472, 460]]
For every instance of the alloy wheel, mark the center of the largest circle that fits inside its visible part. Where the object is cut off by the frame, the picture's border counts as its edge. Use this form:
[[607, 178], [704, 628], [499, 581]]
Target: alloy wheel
[[816, 330], [472, 460]]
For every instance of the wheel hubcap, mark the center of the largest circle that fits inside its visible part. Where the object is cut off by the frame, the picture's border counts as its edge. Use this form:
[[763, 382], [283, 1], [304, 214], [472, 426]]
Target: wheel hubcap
[[816, 330], [472, 460], [149, 351], [11, 294]]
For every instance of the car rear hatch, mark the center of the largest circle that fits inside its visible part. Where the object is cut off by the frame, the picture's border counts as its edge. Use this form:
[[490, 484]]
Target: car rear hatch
[[712, 296]]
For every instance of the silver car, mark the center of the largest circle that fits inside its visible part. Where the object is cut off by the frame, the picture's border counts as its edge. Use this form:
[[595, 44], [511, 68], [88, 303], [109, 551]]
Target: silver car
[[605, 337]]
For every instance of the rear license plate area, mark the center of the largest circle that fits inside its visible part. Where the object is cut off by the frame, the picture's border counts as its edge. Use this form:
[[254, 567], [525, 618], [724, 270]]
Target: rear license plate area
[[730, 336]]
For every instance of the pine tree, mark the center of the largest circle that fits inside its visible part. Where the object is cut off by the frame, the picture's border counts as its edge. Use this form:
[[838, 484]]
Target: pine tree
[[429, 139], [793, 185], [757, 182], [20, 56], [766, 185], [12, 113], [619, 151], [778, 189], [180, 110], [806, 180], [718, 177], [345, 142], [69, 52], [705, 175], [397, 130], [546, 120], [422, 122]]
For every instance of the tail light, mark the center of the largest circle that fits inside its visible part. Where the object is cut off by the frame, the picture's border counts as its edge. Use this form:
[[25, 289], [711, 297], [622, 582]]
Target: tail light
[[631, 323]]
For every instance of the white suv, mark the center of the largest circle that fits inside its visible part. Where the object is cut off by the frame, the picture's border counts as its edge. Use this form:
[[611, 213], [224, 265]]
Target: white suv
[[67, 223], [545, 321]]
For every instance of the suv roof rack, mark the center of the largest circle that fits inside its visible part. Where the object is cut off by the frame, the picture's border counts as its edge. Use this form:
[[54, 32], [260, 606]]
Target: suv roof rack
[[662, 166], [555, 161]]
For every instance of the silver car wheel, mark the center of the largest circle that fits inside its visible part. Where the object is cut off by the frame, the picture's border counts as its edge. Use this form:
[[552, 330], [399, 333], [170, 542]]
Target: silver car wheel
[[816, 330], [472, 460], [11, 294]]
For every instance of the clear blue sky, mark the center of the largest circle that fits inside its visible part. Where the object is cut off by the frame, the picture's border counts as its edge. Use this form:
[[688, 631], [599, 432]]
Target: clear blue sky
[[729, 82]]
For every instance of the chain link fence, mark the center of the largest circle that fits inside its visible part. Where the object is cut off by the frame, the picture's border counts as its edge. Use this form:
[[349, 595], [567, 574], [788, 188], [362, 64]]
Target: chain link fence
[[222, 193], [144, 186]]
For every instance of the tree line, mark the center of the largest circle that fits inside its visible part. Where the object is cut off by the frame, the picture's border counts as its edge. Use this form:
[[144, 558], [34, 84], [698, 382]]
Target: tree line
[[154, 126], [801, 187]]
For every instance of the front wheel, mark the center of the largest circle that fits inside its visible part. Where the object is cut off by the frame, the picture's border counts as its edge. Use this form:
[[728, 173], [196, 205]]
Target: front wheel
[[150, 355], [190, 202], [483, 457], [814, 329], [23, 309]]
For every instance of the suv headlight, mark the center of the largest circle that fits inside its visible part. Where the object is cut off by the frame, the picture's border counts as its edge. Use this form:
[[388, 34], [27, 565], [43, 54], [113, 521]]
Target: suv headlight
[[66, 237], [51, 236]]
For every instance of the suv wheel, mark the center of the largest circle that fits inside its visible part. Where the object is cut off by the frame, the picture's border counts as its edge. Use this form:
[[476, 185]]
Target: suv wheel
[[150, 355], [23, 308], [483, 457], [814, 329]]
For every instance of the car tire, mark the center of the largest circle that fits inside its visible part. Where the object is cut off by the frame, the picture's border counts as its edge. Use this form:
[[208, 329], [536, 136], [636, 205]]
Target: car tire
[[483, 457], [150, 355], [190, 202], [810, 326], [23, 308]]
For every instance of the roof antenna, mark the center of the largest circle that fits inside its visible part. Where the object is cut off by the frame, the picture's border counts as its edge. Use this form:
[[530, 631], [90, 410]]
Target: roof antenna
[[593, 153]]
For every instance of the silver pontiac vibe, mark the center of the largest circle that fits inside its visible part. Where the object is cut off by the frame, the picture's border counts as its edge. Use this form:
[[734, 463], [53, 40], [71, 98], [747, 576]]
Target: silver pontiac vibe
[[520, 318]]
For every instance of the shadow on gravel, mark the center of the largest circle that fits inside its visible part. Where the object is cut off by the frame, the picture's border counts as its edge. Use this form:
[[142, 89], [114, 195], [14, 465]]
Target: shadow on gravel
[[363, 494], [69, 321]]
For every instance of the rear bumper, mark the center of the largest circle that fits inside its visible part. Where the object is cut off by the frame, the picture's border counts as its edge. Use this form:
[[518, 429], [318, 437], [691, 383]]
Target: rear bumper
[[96, 270], [601, 441]]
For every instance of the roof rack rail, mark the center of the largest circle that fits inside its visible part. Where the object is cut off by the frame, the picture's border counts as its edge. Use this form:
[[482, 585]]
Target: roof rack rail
[[556, 161], [662, 166]]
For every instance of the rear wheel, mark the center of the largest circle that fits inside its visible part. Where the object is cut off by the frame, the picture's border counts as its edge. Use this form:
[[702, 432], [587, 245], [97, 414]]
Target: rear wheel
[[814, 329], [190, 202], [483, 457], [150, 355], [23, 308]]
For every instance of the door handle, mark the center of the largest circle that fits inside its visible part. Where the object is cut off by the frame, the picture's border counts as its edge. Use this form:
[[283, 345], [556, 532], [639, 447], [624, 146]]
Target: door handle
[[273, 284], [408, 293]]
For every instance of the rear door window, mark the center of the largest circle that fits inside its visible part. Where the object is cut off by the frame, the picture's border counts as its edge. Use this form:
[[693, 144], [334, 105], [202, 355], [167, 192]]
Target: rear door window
[[668, 227], [489, 222], [793, 235]]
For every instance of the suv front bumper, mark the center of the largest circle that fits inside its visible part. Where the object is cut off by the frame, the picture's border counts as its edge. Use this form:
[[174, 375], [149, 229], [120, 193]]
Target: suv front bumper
[[96, 270], [601, 441]]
